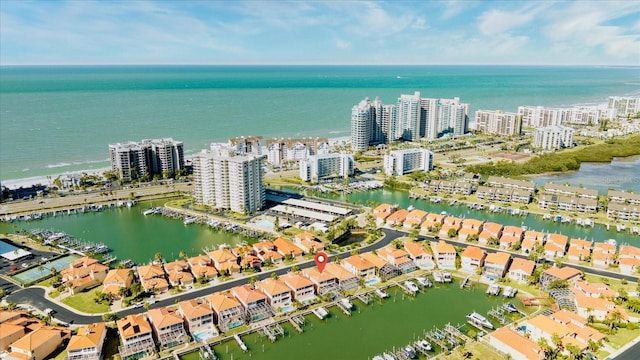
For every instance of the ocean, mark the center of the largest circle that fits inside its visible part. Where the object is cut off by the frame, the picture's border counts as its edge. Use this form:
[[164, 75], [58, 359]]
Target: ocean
[[61, 119]]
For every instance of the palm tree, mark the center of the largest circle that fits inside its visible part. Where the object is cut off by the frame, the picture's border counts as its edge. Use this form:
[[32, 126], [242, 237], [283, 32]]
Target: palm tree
[[158, 257], [182, 254], [274, 276]]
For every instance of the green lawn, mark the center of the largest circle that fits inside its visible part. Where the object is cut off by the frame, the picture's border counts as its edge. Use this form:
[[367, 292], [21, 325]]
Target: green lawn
[[479, 351], [84, 301], [614, 284], [622, 337]]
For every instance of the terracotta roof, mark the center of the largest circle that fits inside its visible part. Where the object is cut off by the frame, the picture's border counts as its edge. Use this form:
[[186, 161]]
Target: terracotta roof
[[359, 262], [417, 214], [264, 246], [194, 308], [517, 342], [88, 336], [9, 315], [471, 223], [7, 330], [246, 294], [610, 248], [415, 248], [272, 287], [595, 288], [500, 258], [558, 239], [222, 255], [35, 339], [536, 235], [580, 243], [523, 265], [399, 215], [491, 227], [123, 276], [548, 326], [563, 273], [469, 231], [133, 325], [339, 272], [222, 301], [473, 252], [285, 246], [374, 259], [388, 208], [315, 275], [513, 230], [629, 251], [443, 248], [296, 281], [529, 243], [163, 317], [305, 236], [150, 271], [452, 220]]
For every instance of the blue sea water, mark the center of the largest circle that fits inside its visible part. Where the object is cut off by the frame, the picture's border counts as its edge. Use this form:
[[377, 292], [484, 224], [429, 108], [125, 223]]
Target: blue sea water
[[58, 119]]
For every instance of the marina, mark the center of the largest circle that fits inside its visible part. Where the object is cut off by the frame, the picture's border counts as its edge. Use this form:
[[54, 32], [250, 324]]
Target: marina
[[366, 321]]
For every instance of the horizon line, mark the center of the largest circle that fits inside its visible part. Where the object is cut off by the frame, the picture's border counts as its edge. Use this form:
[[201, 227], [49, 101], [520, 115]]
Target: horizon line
[[329, 64]]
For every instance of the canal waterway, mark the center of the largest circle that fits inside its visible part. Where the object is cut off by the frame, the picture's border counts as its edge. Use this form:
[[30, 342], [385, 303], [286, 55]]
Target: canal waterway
[[372, 329], [132, 235], [533, 222], [620, 174]]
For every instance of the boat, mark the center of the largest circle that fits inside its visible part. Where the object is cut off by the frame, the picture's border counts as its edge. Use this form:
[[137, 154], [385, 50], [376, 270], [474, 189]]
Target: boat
[[579, 221], [494, 289], [635, 230], [558, 218], [424, 345], [498, 209], [411, 208], [378, 357], [149, 211], [189, 220], [566, 219], [409, 352], [612, 242], [130, 203], [424, 281], [588, 222], [547, 217], [346, 303], [411, 286], [621, 227], [381, 294], [447, 277], [478, 319], [510, 307], [321, 312], [509, 292], [386, 356], [492, 207], [480, 206]]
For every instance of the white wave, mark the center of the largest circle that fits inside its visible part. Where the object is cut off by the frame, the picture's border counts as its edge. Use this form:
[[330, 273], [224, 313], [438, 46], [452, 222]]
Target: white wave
[[62, 164], [26, 169]]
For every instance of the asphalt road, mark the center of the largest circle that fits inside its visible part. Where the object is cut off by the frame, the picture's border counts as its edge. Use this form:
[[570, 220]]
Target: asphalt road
[[35, 296], [632, 353]]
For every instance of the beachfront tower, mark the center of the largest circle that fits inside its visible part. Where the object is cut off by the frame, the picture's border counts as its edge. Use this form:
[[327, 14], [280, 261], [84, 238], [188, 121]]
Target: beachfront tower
[[328, 166], [498, 122], [400, 162], [224, 180], [553, 137], [130, 160]]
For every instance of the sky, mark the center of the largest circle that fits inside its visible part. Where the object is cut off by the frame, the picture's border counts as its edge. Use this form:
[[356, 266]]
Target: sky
[[300, 32]]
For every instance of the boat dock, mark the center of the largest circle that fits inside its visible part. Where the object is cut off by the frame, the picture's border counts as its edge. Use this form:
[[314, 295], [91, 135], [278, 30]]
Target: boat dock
[[205, 353], [494, 289], [454, 331], [442, 277], [344, 308], [297, 322], [241, 343], [466, 284], [498, 314], [364, 297], [320, 312], [405, 289], [437, 337]]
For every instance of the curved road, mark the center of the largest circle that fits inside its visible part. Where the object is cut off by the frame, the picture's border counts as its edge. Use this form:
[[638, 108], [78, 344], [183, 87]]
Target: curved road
[[36, 296]]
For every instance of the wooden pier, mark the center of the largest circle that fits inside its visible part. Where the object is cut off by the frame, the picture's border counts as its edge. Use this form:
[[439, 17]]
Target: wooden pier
[[344, 309], [297, 322], [466, 284], [364, 298], [454, 331]]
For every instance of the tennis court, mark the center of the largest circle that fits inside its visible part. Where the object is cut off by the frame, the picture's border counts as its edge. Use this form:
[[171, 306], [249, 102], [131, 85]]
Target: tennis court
[[37, 273]]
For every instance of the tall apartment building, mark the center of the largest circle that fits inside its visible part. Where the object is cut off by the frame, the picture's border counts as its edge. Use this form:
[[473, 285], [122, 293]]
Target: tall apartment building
[[225, 180], [412, 118], [622, 106], [498, 122], [133, 160], [320, 167], [539, 116], [553, 137], [284, 150], [400, 162]]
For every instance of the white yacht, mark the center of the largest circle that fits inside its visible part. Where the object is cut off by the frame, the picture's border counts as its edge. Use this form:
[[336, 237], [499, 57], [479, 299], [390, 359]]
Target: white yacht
[[478, 319], [381, 294], [346, 303], [424, 345], [411, 286], [423, 281]]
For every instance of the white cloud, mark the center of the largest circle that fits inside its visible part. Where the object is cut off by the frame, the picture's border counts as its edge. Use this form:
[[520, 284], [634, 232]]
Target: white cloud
[[497, 21], [341, 44]]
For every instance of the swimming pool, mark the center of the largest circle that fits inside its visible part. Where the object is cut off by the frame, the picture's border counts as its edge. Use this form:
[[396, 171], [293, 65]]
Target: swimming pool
[[265, 224], [40, 272], [372, 281]]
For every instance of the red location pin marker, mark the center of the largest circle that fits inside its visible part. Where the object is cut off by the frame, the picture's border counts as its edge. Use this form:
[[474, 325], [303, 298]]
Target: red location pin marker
[[321, 260]]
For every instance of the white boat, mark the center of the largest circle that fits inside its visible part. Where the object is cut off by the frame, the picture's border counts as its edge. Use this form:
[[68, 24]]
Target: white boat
[[410, 208], [547, 217], [510, 307], [478, 319], [346, 303], [509, 292], [579, 221], [388, 356], [130, 203], [409, 352], [189, 220], [381, 294], [635, 230], [424, 281], [447, 277], [566, 219], [411, 286], [424, 345], [621, 227], [588, 222], [494, 289], [149, 211], [321, 312], [612, 242]]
